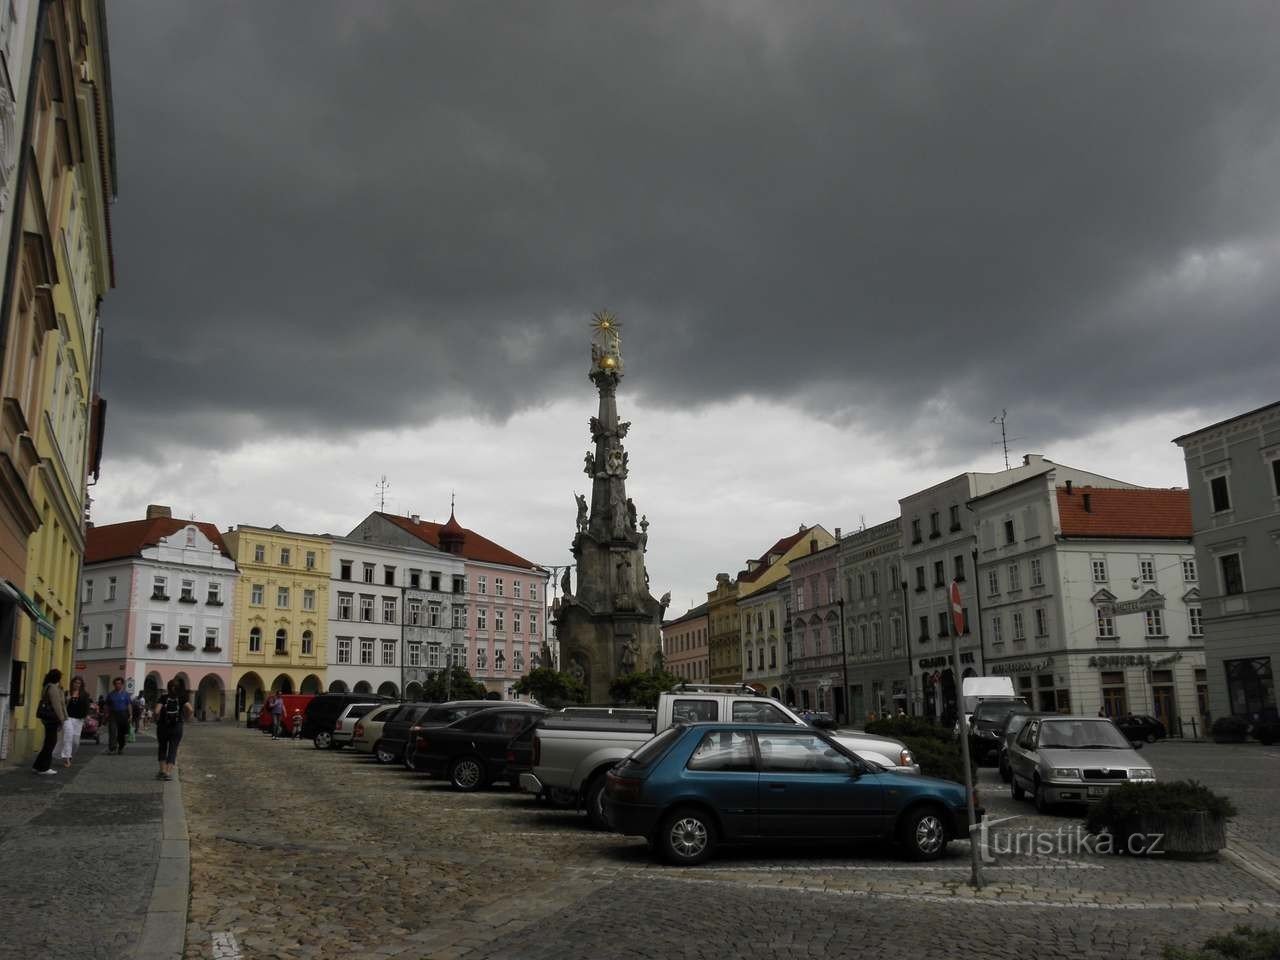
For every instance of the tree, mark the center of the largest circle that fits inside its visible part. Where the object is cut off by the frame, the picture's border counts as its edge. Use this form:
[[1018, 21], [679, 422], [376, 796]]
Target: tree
[[643, 688], [551, 688], [459, 686]]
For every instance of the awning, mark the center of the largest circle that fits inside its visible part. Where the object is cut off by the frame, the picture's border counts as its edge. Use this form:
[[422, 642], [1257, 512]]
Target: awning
[[29, 607]]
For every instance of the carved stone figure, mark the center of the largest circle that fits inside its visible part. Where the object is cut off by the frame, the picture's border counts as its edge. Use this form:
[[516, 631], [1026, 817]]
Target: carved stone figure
[[623, 568], [565, 583], [665, 601], [578, 668], [627, 661], [597, 431], [582, 512], [617, 513], [631, 514], [589, 464], [615, 462], [623, 427], [644, 523]]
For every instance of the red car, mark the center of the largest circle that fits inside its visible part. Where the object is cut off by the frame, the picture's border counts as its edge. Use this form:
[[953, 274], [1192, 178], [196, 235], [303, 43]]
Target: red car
[[293, 703]]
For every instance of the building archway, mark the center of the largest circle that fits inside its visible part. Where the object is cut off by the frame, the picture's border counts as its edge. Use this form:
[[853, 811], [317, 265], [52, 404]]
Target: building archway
[[413, 691], [210, 698], [249, 690], [311, 684], [364, 686], [775, 694], [184, 683], [282, 684], [388, 689], [948, 683], [337, 686], [791, 696], [152, 687]]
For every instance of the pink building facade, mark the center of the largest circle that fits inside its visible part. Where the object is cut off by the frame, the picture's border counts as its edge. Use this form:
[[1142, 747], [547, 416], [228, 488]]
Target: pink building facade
[[684, 645]]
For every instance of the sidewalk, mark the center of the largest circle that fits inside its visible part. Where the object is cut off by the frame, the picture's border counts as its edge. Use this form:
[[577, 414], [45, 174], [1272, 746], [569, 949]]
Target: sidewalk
[[94, 862]]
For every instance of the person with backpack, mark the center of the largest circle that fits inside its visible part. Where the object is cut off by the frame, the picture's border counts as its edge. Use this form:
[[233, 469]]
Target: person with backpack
[[52, 712], [172, 710]]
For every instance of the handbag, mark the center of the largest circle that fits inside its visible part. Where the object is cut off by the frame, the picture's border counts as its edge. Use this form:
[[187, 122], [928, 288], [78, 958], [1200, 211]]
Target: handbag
[[45, 712]]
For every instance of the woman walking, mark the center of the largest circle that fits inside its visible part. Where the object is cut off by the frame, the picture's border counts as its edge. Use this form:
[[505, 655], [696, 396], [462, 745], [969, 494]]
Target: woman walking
[[52, 712], [78, 704], [172, 710]]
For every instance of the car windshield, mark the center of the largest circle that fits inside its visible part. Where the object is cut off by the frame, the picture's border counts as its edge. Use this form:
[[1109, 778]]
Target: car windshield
[[1015, 722], [1081, 735], [998, 710]]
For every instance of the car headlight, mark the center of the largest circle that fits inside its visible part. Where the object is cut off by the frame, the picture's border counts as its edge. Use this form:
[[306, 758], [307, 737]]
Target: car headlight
[[1142, 773], [1066, 773], [905, 759]]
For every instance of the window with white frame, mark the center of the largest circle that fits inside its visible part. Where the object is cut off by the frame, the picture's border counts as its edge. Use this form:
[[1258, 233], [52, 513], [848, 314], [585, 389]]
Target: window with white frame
[[875, 636], [515, 621], [1232, 574], [388, 575], [282, 640], [499, 619], [344, 649], [517, 660], [111, 588], [415, 579], [862, 638], [499, 659], [415, 612], [1147, 570], [1189, 570], [498, 586], [433, 655], [1015, 577], [415, 654], [533, 625], [997, 629], [191, 536], [259, 553], [535, 659], [215, 592], [159, 587], [1106, 623], [1220, 494], [255, 640], [156, 636], [282, 598], [896, 626], [84, 637], [1099, 570], [1042, 622], [1019, 630], [184, 636], [482, 584], [993, 582], [88, 591], [533, 591], [1197, 627], [344, 569], [285, 556], [482, 659], [344, 606], [108, 631], [482, 618], [211, 639], [1037, 572], [368, 572], [310, 560], [256, 594], [1155, 623], [388, 609], [366, 608], [308, 600], [388, 653], [515, 589], [366, 652], [434, 580], [308, 643], [459, 617], [433, 614]]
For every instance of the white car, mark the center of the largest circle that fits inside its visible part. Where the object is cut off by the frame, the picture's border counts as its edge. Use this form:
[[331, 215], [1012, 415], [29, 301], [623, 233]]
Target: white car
[[344, 727], [368, 730]]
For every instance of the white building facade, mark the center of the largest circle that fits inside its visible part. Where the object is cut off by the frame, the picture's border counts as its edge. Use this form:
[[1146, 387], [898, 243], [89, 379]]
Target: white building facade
[[395, 615], [1090, 599], [157, 604]]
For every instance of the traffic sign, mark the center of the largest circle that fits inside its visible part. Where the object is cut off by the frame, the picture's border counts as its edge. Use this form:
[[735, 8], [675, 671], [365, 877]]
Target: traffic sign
[[957, 610]]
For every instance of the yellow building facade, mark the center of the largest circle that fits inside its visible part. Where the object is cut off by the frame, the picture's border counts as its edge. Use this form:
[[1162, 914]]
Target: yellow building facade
[[282, 612], [63, 270]]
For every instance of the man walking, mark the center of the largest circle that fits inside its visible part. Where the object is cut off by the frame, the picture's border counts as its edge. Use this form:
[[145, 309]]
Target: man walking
[[119, 708], [277, 716]]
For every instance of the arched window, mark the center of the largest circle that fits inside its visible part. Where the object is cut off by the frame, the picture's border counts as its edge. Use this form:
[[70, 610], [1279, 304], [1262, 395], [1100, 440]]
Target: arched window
[[308, 643], [255, 640], [282, 641]]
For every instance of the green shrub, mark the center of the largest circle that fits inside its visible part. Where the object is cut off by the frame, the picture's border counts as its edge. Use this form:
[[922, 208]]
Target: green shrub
[[900, 728], [1133, 800], [937, 758], [1230, 728], [1242, 943]]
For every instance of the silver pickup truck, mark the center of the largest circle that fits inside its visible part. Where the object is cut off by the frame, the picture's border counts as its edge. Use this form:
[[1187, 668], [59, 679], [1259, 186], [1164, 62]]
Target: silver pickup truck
[[573, 750]]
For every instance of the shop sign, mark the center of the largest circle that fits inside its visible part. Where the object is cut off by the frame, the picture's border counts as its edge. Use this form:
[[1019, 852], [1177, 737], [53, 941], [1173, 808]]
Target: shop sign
[[1023, 666], [928, 663], [1152, 601], [1110, 661]]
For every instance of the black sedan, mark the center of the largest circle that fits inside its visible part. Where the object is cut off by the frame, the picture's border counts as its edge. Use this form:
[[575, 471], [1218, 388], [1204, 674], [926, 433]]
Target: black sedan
[[1141, 727], [472, 752], [395, 731], [400, 737]]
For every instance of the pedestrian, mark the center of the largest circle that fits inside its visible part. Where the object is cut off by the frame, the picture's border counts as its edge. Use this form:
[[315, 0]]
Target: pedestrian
[[901, 713], [119, 704], [296, 721], [172, 710], [277, 716], [52, 712], [135, 709], [78, 704]]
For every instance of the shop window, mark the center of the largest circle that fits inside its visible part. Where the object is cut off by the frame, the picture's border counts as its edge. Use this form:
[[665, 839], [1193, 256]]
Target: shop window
[[1114, 700], [1250, 689]]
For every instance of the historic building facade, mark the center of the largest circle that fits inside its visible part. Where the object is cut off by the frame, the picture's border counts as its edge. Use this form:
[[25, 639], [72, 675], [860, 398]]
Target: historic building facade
[[282, 603], [1090, 598], [684, 645], [724, 647], [59, 266], [157, 604], [876, 622], [501, 608], [1233, 474], [392, 619], [813, 676]]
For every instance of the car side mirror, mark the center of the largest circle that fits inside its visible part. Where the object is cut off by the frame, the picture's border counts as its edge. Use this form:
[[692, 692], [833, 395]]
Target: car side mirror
[[822, 723]]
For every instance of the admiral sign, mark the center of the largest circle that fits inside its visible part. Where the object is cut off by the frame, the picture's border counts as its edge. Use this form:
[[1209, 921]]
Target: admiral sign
[[1141, 605]]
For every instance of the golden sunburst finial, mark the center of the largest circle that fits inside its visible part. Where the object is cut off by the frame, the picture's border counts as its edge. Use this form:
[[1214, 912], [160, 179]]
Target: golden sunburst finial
[[606, 325]]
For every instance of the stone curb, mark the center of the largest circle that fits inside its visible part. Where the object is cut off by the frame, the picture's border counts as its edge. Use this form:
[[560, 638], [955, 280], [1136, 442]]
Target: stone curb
[[164, 931]]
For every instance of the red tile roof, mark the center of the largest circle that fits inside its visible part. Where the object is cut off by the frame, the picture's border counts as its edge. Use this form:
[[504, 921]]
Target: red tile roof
[[474, 546], [1138, 514], [114, 541], [779, 548]]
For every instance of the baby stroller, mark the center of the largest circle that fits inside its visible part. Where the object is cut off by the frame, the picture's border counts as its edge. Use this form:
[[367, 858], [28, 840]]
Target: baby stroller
[[91, 727]]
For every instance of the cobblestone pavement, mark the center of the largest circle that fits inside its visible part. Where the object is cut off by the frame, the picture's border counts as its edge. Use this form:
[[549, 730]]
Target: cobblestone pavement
[[299, 853], [79, 854]]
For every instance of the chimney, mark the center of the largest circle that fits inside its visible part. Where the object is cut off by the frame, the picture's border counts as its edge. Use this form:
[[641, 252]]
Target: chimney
[[155, 510], [722, 578], [416, 517], [1029, 458], [1088, 503], [837, 534], [1068, 488]]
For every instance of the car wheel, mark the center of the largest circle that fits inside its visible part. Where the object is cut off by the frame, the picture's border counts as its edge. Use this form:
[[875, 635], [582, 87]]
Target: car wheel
[[1015, 789], [686, 837], [382, 754], [595, 803], [1042, 804], [323, 740], [467, 774], [924, 834]]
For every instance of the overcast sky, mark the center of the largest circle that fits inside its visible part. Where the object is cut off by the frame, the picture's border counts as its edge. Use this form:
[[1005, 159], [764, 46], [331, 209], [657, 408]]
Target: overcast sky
[[366, 238]]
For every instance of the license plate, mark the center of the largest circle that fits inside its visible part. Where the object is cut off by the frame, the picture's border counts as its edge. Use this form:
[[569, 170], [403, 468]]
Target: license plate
[[1097, 791]]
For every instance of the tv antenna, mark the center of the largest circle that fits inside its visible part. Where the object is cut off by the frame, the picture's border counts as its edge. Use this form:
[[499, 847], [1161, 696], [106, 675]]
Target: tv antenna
[[1004, 437], [382, 485]]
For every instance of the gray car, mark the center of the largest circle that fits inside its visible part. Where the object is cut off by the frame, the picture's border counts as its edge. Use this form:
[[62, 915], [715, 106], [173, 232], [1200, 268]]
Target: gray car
[[1072, 760]]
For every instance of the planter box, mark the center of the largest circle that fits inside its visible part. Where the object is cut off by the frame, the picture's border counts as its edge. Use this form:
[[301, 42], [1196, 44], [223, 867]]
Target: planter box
[[1188, 836]]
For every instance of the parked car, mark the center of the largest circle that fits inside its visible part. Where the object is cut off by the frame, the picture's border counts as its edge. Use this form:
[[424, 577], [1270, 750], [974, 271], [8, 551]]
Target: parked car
[[323, 712], [251, 715], [1013, 725], [395, 732], [368, 731], [1141, 726], [985, 726], [344, 727], [293, 703], [1072, 760], [472, 752], [693, 787], [437, 715]]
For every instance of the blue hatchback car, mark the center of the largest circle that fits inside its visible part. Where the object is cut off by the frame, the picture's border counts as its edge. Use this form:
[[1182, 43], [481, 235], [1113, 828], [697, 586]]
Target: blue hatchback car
[[693, 787]]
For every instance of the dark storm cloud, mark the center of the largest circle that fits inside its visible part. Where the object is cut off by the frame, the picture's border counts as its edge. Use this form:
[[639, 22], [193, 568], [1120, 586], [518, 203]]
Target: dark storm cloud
[[342, 216]]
